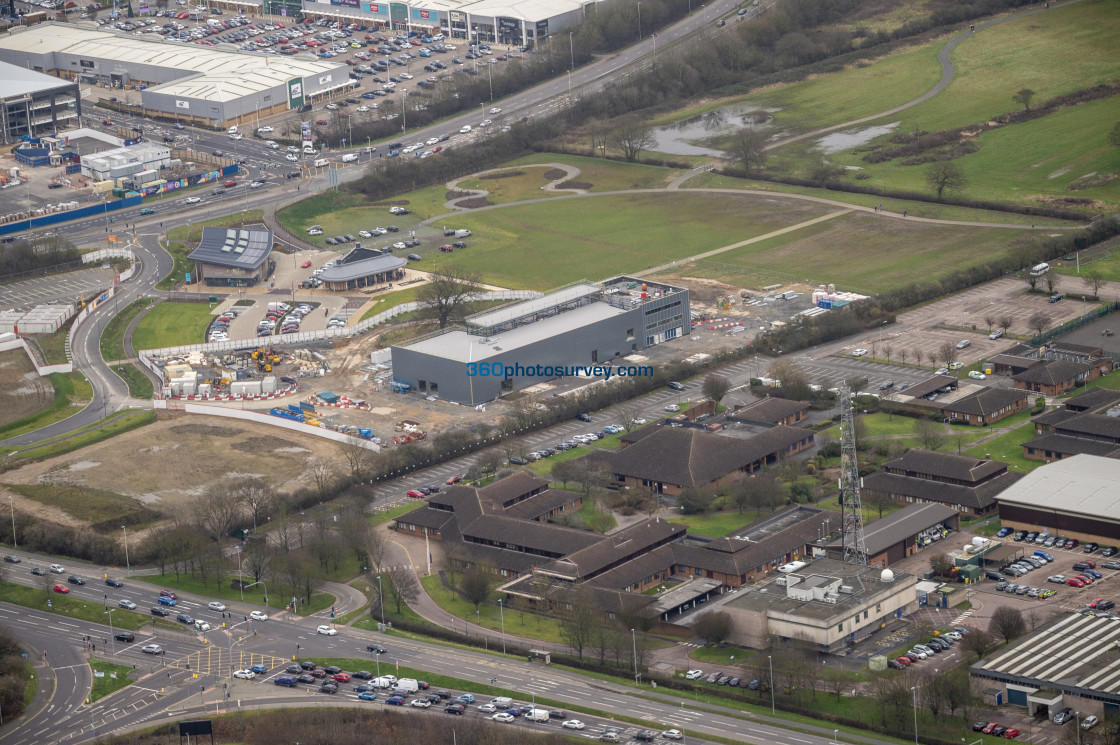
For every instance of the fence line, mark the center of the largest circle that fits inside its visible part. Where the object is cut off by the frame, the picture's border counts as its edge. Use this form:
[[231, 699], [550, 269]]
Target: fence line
[[1074, 324], [18, 342], [274, 421]]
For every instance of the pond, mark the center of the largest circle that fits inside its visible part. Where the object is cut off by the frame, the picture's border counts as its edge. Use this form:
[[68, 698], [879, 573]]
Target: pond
[[840, 141], [685, 137]]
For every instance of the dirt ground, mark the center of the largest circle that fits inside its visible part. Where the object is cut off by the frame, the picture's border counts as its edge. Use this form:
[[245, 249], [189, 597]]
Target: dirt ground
[[166, 463], [22, 391]]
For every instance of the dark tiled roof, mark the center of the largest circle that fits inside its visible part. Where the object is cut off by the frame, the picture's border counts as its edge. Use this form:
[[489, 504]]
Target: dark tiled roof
[[1093, 399], [1055, 416], [936, 491], [637, 569], [986, 401], [929, 385], [1062, 346], [639, 434], [234, 248], [617, 547], [1054, 372], [426, 517], [551, 539], [462, 500], [770, 410], [1099, 426], [946, 465], [516, 485], [541, 504], [514, 562], [1067, 445], [1012, 360], [906, 523], [689, 457]]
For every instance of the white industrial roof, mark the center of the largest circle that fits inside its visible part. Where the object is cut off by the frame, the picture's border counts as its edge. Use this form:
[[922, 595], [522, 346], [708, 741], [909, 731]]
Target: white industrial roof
[[527, 10], [18, 81], [217, 75], [1084, 484], [536, 305]]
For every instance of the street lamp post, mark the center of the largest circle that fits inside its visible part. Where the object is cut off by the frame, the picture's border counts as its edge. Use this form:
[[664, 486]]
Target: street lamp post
[[914, 691], [502, 611], [381, 600], [13, 506], [639, 20], [127, 564], [634, 642], [240, 581], [112, 634], [770, 658]]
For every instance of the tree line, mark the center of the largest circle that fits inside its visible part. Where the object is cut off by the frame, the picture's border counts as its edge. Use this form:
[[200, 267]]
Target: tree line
[[41, 253]]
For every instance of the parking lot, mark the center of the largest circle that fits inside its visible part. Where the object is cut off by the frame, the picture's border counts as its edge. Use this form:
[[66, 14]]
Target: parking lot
[[919, 332]]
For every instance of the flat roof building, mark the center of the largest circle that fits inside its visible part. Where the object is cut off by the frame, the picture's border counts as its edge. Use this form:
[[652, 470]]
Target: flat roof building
[[34, 105], [564, 333], [186, 81], [362, 268], [1076, 497], [894, 537]]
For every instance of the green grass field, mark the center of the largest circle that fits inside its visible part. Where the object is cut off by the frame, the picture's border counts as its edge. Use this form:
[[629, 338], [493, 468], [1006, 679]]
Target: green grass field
[[526, 185], [1009, 449], [113, 678], [1070, 47], [721, 655], [544, 466], [877, 254], [391, 300], [540, 246], [54, 345], [518, 623], [172, 324], [342, 213], [716, 524], [608, 175], [94, 506]]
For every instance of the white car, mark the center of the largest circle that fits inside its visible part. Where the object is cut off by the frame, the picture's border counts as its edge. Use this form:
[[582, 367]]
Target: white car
[[495, 110], [362, 109], [217, 606], [326, 631], [292, 156], [573, 724], [293, 149], [859, 353], [639, 421], [236, 136], [258, 616], [265, 129], [1089, 722], [976, 375], [244, 674], [365, 234], [672, 734], [420, 703], [694, 674], [485, 123], [314, 232], [503, 716], [400, 245], [405, 75], [57, 569], [466, 128], [487, 708], [194, 200], [127, 605], [432, 141], [672, 407], [256, 185]]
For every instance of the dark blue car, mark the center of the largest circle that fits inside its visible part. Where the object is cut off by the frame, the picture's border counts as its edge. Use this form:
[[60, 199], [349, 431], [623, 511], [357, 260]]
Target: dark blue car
[[285, 680], [395, 700]]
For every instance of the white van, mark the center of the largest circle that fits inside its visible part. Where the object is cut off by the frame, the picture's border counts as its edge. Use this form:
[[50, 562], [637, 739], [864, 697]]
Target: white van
[[537, 715], [410, 685], [462, 233], [502, 702], [233, 129], [321, 162], [350, 158], [272, 145]]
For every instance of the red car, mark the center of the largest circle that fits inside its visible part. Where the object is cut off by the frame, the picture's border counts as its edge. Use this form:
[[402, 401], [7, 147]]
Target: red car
[[446, 248], [1075, 582], [305, 264], [415, 494], [168, 594], [1085, 579], [991, 726], [230, 182], [342, 677], [904, 661], [454, 479], [318, 673], [321, 122], [61, 588], [1011, 733], [1095, 601]]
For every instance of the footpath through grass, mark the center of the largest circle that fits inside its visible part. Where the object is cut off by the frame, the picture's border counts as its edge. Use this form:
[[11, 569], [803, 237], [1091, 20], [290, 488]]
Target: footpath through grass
[[171, 325], [108, 678], [70, 607]]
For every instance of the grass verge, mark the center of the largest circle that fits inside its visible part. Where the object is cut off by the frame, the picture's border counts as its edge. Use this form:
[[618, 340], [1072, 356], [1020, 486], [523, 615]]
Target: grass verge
[[517, 623], [112, 338], [54, 345], [68, 389], [1009, 449], [112, 678], [172, 324], [64, 605], [95, 506], [389, 515], [103, 430]]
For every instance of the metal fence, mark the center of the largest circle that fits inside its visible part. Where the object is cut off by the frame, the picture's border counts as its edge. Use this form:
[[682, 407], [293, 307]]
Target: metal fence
[[1075, 324]]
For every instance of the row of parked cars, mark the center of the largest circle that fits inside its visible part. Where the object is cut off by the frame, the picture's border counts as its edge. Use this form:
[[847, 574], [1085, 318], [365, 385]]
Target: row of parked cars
[[996, 729], [938, 644], [1055, 541], [722, 679], [219, 329]]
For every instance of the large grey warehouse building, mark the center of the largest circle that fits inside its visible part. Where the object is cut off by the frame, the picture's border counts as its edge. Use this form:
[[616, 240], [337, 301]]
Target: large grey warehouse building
[[517, 346], [188, 82], [1076, 497]]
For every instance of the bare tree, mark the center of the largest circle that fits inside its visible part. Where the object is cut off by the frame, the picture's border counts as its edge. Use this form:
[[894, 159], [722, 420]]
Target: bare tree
[[945, 174], [1039, 322], [1007, 623], [598, 132], [257, 560], [716, 386], [216, 513], [1024, 98], [1094, 281], [256, 496], [947, 353], [1052, 279], [377, 543], [902, 355], [633, 138], [887, 350], [447, 294], [579, 619], [713, 627], [357, 458], [1006, 322], [990, 319], [929, 434], [748, 149], [793, 377], [627, 414], [322, 473], [475, 585], [404, 585], [978, 642]]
